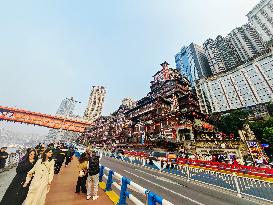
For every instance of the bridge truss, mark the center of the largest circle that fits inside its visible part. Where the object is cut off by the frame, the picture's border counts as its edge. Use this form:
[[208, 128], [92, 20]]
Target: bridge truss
[[44, 120]]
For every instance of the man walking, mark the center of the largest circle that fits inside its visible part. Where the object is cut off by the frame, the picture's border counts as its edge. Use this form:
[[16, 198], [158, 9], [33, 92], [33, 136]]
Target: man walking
[[93, 174]]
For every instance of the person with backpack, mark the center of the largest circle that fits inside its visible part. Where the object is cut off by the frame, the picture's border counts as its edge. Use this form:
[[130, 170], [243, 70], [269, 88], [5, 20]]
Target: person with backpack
[[93, 174]]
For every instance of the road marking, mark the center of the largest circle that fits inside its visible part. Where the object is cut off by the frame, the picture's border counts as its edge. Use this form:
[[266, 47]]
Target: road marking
[[161, 178], [185, 197]]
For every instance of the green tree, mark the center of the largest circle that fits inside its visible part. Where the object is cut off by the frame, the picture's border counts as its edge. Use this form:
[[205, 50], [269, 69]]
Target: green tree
[[268, 135], [232, 122], [263, 130], [270, 109]]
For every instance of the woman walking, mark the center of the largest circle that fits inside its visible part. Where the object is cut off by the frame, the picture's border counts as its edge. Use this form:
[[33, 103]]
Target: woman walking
[[16, 193], [43, 174], [81, 183]]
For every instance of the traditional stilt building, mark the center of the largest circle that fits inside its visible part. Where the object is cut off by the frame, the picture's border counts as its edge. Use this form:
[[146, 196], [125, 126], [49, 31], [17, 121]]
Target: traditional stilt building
[[168, 111], [167, 117]]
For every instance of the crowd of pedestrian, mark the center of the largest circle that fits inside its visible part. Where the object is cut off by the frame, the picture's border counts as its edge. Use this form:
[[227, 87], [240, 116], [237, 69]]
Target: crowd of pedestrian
[[35, 172]]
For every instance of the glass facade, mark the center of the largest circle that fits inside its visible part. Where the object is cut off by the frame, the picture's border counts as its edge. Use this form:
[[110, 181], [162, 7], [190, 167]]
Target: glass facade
[[192, 63]]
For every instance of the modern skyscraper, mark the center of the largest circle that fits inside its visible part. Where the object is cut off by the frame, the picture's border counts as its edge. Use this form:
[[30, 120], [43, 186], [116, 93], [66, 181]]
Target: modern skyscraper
[[192, 62], [261, 17], [247, 85], [95, 104], [216, 62], [247, 42]]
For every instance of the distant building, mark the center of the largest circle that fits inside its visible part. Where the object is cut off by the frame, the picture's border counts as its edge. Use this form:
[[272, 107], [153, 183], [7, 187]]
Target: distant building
[[261, 17], [192, 62], [95, 104], [66, 107], [247, 85], [128, 102], [247, 42]]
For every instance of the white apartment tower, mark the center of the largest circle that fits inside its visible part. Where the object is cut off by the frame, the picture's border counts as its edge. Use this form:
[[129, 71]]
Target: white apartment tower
[[247, 42], [261, 17], [95, 104], [245, 86]]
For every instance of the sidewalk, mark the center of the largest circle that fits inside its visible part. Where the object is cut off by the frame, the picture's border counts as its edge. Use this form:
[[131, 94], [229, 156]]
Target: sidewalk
[[62, 190]]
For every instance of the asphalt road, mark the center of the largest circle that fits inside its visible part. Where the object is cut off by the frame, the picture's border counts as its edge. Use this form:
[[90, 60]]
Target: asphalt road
[[172, 188]]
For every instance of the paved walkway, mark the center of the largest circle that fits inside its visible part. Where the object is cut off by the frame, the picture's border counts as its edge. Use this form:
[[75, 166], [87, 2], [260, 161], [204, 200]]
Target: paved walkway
[[62, 190], [5, 179]]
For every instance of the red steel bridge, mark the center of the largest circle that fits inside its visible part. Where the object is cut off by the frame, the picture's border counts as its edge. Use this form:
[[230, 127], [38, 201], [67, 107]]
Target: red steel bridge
[[44, 120]]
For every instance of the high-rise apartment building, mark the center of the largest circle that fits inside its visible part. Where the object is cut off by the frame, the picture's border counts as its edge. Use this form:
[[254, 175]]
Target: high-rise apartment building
[[221, 54], [228, 53], [192, 62], [247, 42], [95, 104], [247, 85], [216, 62], [128, 102], [261, 17], [66, 109]]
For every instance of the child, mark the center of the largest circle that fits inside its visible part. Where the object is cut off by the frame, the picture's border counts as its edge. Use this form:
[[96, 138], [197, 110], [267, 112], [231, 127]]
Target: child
[[81, 183]]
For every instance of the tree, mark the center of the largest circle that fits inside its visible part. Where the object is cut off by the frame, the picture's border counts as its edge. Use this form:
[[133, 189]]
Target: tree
[[263, 130], [268, 135], [270, 109], [232, 122]]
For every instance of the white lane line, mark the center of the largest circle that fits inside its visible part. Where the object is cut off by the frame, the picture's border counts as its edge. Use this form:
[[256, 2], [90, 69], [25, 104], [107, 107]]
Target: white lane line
[[161, 178], [185, 197]]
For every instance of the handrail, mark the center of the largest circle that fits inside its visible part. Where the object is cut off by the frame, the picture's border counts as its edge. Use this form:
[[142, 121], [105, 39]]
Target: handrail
[[12, 161], [261, 187], [251, 170], [152, 198]]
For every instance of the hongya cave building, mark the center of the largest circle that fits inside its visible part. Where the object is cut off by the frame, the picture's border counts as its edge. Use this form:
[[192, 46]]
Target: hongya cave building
[[168, 117]]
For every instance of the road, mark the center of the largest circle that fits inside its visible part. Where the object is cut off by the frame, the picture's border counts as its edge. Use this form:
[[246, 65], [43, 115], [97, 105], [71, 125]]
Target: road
[[172, 188], [5, 180]]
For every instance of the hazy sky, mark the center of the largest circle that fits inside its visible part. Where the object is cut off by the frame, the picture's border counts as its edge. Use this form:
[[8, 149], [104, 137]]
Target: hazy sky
[[53, 49]]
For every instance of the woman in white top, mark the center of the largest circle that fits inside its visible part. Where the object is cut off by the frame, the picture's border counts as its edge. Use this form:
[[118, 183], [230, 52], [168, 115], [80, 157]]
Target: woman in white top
[[43, 172]]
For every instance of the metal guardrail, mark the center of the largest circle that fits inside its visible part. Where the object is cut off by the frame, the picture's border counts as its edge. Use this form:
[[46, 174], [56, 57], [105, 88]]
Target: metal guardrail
[[11, 161], [109, 175], [241, 185]]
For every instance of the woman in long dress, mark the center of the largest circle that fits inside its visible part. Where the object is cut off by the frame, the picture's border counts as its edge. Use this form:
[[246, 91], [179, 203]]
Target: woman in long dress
[[16, 193], [43, 172]]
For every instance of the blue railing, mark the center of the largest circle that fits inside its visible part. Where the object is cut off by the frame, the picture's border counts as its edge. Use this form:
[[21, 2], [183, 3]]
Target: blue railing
[[241, 185], [109, 175]]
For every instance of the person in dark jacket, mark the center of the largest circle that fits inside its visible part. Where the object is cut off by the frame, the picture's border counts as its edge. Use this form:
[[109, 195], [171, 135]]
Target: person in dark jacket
[[16, 193], [68, 157], [59, 159], [3, 157], [93, 172]]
